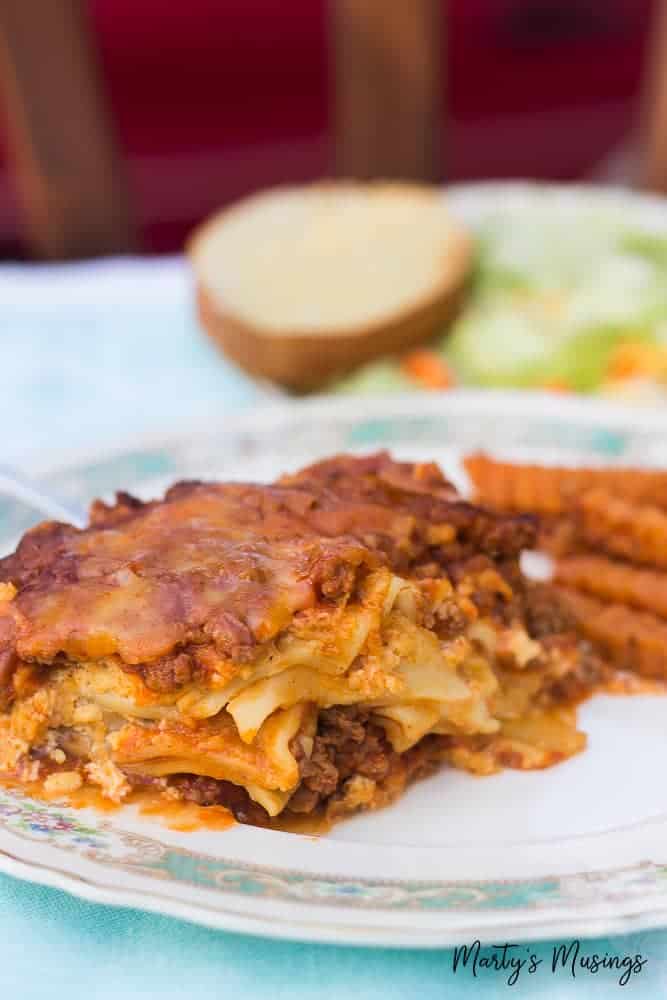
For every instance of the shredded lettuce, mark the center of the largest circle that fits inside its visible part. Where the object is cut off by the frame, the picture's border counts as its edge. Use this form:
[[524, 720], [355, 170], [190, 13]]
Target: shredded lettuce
[[552, 297], [551, 300]]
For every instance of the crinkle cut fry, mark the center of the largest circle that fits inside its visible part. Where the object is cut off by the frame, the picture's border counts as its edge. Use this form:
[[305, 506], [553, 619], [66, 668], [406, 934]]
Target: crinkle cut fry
[[637, 532], [630, 639], [552, 489], [614, 582]]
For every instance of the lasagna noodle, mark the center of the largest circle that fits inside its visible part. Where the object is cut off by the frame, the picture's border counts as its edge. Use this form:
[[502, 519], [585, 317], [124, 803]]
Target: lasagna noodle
[[266, 767], [452, 694], [539, 739], [410, 671]]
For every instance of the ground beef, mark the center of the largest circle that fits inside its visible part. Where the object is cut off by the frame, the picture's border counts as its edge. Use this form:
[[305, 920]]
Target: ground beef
[[40, 558], [104, 515], [346, 744], [347, 747], [8, 663], [168, 673], [232, 637], [545, 612], [589, 673], [479, 531], [487, 598], [211, 792], [447, 620], [537, 605]]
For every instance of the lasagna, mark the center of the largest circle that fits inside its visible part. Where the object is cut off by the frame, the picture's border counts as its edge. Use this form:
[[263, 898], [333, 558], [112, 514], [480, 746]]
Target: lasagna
[[305, 646]]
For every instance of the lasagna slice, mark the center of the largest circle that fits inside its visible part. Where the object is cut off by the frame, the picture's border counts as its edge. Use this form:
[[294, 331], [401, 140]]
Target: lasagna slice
[[278, 649]]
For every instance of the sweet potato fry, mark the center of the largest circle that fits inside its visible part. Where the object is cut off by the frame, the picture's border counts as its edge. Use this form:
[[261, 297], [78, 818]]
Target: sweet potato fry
[[557, 536], [615, 582], [637, 532], [553, 489], [630, 639]]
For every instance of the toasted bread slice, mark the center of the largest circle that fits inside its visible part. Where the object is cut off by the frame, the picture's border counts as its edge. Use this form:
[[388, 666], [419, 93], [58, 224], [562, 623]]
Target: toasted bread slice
[[298, 284]]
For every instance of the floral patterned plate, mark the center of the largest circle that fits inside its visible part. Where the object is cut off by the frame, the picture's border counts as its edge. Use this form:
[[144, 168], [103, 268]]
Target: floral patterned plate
[[580, 849]]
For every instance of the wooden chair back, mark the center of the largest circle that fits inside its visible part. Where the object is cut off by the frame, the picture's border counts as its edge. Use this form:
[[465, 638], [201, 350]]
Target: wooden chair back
[[68, 175], [387, 82], [388, 88], [652, 159]]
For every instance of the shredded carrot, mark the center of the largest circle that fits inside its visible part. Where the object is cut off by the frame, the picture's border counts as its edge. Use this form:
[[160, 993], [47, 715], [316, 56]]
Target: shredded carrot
[[557, 385], [633, 359], [428, 368]]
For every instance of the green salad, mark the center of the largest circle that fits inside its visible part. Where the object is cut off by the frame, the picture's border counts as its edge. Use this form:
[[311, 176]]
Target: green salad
[[571, 301]]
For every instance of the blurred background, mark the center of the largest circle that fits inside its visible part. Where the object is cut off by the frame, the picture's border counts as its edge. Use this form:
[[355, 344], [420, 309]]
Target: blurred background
[[125, 122]]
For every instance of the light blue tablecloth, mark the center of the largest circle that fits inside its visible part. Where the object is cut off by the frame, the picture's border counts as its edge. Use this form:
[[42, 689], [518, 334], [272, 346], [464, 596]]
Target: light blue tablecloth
[[90, 356]]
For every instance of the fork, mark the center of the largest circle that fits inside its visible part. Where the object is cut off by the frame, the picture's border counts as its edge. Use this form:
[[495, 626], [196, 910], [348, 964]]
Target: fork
[[19, 487]]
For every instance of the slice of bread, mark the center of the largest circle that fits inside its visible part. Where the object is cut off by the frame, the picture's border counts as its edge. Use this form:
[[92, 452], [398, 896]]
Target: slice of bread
[[298, 284]]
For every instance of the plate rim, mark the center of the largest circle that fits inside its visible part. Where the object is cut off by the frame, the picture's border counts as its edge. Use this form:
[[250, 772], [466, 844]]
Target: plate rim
[[446, 928], [567, 924], [593, 410], [571, 918]]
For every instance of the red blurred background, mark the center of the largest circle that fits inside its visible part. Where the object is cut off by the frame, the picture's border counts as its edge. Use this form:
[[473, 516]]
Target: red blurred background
[[212, 99]]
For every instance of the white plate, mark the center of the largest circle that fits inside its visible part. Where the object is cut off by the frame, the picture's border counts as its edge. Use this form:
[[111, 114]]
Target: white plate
[[580, 849]]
